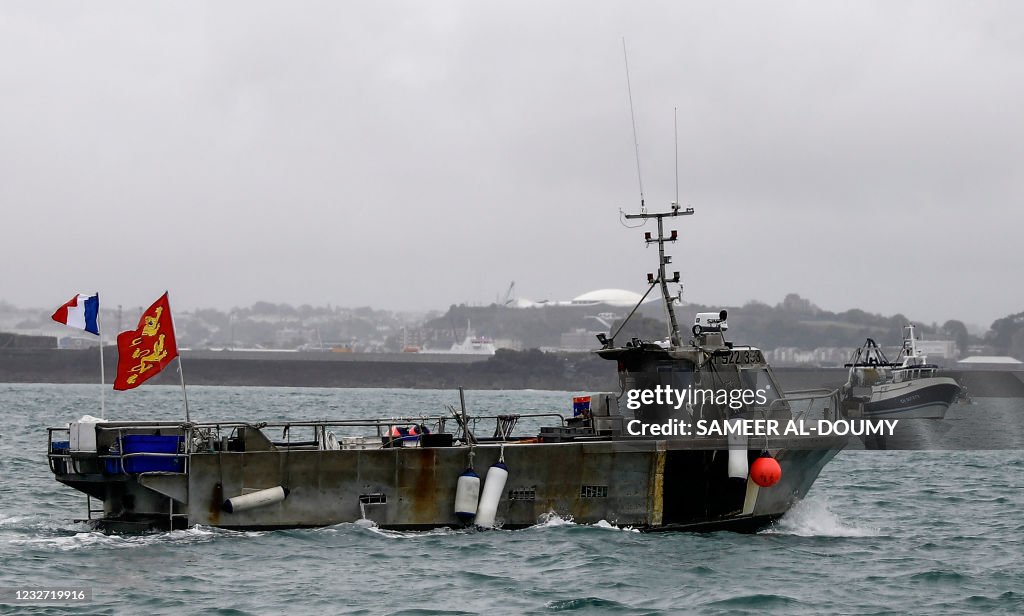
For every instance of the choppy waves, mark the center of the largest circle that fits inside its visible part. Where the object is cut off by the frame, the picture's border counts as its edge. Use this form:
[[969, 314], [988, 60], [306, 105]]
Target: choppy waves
[[880, 532], [813, 518]]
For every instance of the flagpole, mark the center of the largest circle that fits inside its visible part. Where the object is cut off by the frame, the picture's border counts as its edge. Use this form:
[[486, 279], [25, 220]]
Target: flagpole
[[183, 392], [181, 372], [103, 383], [103, 379]]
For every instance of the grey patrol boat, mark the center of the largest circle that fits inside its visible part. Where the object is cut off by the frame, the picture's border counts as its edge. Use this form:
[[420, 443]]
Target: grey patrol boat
[[633, 458]]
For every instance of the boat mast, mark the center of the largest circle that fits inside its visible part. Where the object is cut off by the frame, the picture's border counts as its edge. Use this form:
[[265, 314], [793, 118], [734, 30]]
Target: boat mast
[[663, 260], [912, 349]]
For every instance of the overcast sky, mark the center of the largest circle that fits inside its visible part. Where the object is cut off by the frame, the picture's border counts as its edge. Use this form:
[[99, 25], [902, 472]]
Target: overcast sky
[[412, 155]]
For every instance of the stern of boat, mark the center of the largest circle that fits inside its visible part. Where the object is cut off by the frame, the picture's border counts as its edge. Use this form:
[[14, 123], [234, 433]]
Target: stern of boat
[[134, 476]]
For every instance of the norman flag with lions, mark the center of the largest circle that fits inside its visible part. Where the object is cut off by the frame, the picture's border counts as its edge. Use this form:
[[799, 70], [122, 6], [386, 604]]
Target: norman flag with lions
[[144, 351]]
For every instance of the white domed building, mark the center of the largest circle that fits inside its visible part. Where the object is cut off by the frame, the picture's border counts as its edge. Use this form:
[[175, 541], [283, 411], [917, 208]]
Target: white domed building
[[611, 297], [616, 298]]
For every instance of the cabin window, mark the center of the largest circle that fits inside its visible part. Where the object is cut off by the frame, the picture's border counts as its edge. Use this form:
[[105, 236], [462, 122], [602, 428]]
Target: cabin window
[[758, 380], [676, 375], [670, 375]]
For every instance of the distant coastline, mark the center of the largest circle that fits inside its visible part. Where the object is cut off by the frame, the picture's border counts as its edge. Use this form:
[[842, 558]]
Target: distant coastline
[[509, 370]]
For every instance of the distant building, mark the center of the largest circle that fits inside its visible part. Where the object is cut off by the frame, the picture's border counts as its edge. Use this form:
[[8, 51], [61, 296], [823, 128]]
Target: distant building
[[18, 341], [619, 298], [508, 343], [990, 362], [945, 349], [609, 297], [821, 356], [76, 342], [579, 340]]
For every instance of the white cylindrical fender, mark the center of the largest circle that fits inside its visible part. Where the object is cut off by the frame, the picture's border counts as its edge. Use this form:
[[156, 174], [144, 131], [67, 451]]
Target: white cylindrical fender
[[255, 499], [737, 451], [494, 485], [467, 495]]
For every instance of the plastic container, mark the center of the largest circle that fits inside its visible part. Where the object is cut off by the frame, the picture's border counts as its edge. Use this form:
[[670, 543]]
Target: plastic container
[[148, 443], [60, 465]]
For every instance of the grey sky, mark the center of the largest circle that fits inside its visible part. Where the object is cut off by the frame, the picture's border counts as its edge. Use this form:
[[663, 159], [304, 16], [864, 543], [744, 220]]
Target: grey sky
[[412, 155]]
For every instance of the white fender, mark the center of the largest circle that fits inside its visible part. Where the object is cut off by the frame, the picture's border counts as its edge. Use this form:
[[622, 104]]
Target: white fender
[[737, 451], [494, 485], [467, 495], [255, 499]]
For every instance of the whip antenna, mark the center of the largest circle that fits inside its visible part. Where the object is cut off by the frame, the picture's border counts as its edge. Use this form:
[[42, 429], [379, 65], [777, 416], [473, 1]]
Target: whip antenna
[[675, 126], [632, 117]]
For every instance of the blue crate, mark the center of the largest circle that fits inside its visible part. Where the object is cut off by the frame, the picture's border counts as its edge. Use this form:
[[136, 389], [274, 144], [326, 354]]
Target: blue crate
[[149, 443]]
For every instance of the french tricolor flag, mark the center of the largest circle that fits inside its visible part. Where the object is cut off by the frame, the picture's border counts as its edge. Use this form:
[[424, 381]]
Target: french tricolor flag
[[81, 312]]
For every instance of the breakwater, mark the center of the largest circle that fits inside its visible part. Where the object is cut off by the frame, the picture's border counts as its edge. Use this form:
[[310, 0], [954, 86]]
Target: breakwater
[[506, 370]]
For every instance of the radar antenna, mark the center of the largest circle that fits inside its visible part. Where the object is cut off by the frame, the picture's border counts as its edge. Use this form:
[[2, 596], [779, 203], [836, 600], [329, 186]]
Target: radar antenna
[[675, 127], [632, 117], [662, 279]]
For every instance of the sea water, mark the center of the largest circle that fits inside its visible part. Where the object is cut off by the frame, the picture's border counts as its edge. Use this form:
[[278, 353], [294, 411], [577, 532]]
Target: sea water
[[880, 532]]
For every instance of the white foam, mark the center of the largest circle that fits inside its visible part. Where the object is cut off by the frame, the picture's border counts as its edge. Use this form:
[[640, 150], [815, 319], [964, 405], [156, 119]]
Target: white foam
[[93, 539], [609, 526], [13, 520], [553, 520], [813, 518], [400, 534]]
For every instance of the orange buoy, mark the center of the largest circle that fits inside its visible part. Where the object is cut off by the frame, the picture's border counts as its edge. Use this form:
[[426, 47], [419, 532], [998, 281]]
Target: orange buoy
[[765, 471]]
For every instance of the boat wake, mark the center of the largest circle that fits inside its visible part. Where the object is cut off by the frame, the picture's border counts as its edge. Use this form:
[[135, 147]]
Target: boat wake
[[546, 521], [554, 520], [407, 534], [96, 539], [813, 518]]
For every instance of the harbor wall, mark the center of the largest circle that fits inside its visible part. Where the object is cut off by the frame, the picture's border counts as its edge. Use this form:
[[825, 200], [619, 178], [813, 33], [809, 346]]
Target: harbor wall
[[520, 370]]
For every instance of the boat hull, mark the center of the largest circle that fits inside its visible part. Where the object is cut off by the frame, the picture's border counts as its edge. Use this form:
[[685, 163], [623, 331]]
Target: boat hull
[[927, 398], [645, 484]]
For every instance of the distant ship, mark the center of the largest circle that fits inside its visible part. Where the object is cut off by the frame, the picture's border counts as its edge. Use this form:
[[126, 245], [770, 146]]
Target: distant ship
[[906, 389], [470, 345]]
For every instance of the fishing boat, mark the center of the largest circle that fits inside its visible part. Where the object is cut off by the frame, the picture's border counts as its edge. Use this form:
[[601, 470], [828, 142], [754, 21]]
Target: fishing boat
[[907, 388], [625, 457]]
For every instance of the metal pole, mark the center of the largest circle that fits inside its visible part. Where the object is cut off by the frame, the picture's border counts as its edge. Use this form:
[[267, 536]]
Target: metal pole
[[181, 372], [103, 383], [672, 325], [465, 420], [631, 313], [184, 393], [673, 328], [103, 379], [462, 402]]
